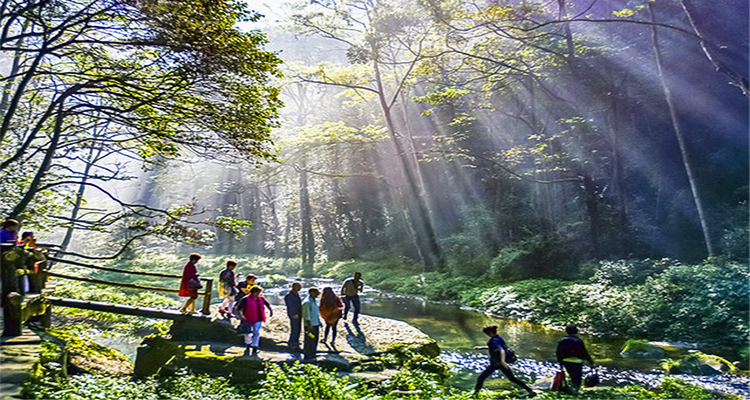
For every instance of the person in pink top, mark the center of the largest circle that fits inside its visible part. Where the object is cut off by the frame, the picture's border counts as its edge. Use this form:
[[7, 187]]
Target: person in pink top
[[252, 316]]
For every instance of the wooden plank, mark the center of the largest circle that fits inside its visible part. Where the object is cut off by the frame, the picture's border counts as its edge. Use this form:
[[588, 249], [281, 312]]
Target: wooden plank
[[147, 312], [80, 264], [125, 285]]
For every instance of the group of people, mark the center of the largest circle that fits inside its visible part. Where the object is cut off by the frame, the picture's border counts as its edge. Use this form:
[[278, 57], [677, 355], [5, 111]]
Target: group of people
[[21, 255], [244, 301], [571, 354], [311, 314]]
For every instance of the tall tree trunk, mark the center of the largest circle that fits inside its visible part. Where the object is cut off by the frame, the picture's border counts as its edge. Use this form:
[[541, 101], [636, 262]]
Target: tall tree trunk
[[46, 163], [434, 258], [621, 225], [15, 67], [680, 138], [271, 198], [79, 196], [561, 15], [308, 240]]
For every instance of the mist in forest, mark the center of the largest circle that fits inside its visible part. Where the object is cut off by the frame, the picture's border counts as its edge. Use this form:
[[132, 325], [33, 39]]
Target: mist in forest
[[455, 132]]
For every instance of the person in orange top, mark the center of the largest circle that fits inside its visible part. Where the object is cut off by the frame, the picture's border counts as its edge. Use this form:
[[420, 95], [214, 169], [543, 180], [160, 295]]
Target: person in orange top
[[331, 309]]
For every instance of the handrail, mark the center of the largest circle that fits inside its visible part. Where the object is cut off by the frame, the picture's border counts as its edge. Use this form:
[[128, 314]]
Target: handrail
[[80, 264], [127, 285]]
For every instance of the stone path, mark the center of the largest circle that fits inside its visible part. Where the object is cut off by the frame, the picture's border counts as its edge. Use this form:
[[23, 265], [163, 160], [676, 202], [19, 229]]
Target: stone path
[[372, 335], [17, 356]]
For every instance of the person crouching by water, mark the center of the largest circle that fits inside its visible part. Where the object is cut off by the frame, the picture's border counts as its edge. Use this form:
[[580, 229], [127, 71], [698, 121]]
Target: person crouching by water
[[350, 291], [227, 288], [311, 320], [190, 283], [497, 348], [252, 317], [571, 353], [331, 309], [294, 311]]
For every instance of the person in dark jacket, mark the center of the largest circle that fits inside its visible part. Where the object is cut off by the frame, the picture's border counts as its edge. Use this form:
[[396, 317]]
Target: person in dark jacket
[[497, 348], [571, 353], [294, 311]]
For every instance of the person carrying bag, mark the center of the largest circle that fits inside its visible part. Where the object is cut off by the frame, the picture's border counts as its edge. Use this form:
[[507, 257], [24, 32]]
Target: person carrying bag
[[571, 354]]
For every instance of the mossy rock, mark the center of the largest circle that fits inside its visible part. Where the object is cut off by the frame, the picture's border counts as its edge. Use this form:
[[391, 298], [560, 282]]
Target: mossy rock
[[642, 349], [87, 357], [703, 364]]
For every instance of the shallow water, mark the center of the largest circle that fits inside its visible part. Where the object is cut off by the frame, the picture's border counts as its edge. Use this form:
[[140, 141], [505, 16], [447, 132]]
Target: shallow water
[[458, 329]]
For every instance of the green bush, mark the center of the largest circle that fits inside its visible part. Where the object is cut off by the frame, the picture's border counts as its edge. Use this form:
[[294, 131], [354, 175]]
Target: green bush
[[705, 303], [466, 255], [536, 257], [306, 382], [182, 386], [629, 272]]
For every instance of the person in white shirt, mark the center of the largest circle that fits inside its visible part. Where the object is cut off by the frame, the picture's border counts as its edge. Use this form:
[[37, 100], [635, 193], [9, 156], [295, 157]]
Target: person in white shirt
[[311, 320], [350, 293]]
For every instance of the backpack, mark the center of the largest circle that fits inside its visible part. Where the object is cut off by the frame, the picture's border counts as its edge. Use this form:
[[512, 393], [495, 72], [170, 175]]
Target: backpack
[[510, 356]]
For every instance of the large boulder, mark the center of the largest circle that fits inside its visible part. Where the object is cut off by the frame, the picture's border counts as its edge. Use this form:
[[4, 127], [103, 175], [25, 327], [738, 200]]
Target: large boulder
[[373, 335], [213, 346], [699, 363], [642, 349]]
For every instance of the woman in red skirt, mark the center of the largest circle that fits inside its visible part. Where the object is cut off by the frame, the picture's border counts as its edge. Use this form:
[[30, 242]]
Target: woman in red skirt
[[188, 288]]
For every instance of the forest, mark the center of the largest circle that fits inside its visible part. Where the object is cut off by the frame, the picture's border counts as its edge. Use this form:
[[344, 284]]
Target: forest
[[589, 157]]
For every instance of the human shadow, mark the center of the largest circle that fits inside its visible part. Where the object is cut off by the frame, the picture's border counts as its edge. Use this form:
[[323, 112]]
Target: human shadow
[[357, 340], [331, 348]]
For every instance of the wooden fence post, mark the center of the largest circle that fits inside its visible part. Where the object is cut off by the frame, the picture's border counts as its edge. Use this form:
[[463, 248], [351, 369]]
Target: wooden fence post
[[207, 297]]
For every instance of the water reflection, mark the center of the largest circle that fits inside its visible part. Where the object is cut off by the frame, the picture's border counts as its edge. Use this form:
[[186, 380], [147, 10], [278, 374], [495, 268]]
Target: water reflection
[[458, 329]]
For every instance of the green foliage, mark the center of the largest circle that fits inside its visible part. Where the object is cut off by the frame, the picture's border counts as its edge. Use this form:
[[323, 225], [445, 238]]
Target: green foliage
[[401, 357], [705, 303], [306, 382], [629, 272], [466, 254], [76, 343], [401, 275], [182, 386], [672, 388], [536, 257]]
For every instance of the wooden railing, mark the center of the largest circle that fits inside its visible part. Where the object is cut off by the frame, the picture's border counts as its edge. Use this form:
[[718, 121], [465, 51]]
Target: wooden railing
[[19, 307], [206, 293]]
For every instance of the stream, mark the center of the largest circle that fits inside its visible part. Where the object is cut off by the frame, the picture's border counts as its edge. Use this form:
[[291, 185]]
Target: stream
[[458, 329]]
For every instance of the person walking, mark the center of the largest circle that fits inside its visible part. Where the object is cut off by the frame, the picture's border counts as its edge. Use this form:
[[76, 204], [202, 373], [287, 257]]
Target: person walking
[[294, 312], [571, 353], [252, 316], [311, 320], [331, 309], [190, 283], [350, 291], [497, 348], [227, 288]]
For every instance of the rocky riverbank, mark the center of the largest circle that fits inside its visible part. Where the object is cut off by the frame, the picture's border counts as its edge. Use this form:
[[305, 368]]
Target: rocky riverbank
[[214, 346]]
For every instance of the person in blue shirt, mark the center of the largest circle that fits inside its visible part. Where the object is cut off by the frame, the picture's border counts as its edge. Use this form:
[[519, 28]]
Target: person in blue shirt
[[311, 320], [294, 312], [9, 234], [497, 348]]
